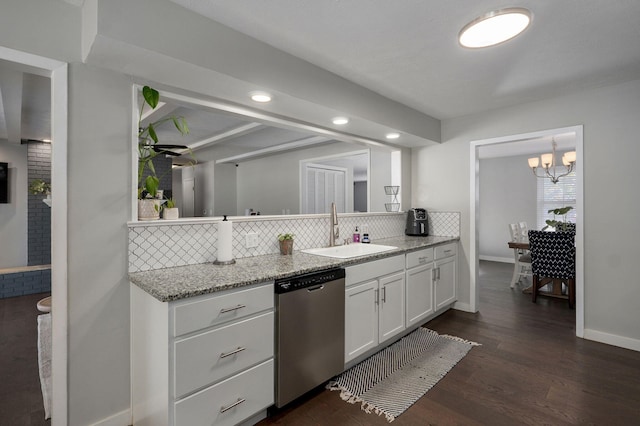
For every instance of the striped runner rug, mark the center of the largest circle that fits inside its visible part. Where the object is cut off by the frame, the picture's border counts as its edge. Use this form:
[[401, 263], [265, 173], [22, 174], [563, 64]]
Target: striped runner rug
[[390, 381]]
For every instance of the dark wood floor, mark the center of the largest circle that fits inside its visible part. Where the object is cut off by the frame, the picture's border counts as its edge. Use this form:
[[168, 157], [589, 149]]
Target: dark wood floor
[[530, 369], [20, 394]]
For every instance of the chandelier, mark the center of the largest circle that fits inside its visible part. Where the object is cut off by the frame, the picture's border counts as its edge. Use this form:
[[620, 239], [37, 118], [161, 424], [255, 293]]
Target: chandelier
[[549, 164]]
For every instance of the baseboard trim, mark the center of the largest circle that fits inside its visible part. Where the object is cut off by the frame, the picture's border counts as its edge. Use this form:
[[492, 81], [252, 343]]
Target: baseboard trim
[[497, 259], [122, 418], [612, 339], [465, 307]]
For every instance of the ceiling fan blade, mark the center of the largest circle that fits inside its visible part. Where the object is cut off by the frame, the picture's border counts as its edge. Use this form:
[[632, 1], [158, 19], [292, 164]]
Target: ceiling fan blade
[[166, 149]]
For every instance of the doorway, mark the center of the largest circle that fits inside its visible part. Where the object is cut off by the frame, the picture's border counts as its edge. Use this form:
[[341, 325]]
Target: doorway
[[525, 138], [57, 72]]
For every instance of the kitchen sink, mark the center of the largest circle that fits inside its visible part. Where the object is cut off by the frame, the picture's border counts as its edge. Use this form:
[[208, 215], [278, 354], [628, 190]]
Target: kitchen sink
[[349, 250]]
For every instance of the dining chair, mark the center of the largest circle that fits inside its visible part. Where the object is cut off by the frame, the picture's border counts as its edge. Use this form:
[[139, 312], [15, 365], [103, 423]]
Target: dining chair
[[553, 261], [522, 258], [523, 231]]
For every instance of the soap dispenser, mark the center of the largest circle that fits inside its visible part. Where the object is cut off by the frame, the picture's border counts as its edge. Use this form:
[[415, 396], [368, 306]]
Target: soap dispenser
[[356, 236]]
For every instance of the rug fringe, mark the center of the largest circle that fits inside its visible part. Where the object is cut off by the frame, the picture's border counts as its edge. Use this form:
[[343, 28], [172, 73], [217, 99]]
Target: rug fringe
[[365, 406], [459, 339]]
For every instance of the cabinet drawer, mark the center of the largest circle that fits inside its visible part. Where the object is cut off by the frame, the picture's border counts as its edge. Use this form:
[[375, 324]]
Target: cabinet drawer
[[208, 357], [446, 250], [374, 269], [420, 257], [251, 390], [221, 308]]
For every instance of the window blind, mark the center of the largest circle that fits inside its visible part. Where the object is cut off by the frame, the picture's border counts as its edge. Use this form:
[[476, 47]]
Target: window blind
[[553, 196]]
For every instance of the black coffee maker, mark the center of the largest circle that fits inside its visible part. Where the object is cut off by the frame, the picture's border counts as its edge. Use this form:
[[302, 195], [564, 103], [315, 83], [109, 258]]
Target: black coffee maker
[[417, 223]]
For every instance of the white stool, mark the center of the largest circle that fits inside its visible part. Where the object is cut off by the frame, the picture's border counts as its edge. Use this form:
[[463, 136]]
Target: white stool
[[44, 305]]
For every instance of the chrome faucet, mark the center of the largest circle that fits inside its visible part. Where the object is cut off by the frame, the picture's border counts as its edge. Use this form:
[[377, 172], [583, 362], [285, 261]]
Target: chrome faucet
[[334, 231]]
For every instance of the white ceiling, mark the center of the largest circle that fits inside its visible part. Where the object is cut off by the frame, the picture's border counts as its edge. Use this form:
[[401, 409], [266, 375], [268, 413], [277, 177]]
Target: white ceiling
[[407, 50]]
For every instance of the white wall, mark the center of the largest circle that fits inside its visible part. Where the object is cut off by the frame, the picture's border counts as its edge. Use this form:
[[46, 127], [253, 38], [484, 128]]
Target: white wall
[[13, 215], [98, 286], [508, 193], [611, 149]]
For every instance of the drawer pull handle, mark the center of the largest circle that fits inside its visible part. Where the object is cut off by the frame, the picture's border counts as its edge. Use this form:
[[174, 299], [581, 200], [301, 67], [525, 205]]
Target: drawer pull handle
[[422, 259], [235, 308], [224, 355], [448, 251], [235, 404]]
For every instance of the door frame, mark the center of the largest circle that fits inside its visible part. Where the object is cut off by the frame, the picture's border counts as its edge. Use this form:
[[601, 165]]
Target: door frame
[[57, 72], [474, 185]]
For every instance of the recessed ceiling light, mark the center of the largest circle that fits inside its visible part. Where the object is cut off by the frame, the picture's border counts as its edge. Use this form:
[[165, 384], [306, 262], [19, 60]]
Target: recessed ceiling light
[[393, 135], [495, 27], [340, 120], [260, 97]]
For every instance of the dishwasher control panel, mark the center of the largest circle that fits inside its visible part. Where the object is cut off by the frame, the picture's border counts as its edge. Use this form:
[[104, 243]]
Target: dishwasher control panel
[[297, 282]]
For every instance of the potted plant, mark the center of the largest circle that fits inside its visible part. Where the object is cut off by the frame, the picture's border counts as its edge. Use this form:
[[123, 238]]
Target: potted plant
[[38, 186], [169, 210], [286, 243], [148, 148], [559, 225]]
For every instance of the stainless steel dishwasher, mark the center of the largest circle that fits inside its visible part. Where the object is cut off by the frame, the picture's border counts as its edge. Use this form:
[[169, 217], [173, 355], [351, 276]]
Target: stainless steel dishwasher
[[309, 332]]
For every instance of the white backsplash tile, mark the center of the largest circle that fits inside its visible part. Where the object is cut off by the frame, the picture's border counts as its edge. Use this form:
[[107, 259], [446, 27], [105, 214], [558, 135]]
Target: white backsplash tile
[[162, 244]]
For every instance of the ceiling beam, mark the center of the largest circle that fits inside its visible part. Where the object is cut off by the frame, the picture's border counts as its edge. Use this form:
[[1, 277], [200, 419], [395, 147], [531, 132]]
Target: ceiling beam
[[225, 136], [273, 149], [11, 88]]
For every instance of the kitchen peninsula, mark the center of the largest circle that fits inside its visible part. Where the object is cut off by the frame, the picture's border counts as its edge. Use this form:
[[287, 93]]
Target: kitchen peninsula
[[205, 332]]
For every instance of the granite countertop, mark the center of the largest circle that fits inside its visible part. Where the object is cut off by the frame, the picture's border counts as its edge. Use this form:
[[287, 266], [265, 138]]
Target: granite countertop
[[192, 280]]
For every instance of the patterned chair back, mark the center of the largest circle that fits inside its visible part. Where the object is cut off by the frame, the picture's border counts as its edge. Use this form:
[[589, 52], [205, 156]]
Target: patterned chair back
[[553, 254]]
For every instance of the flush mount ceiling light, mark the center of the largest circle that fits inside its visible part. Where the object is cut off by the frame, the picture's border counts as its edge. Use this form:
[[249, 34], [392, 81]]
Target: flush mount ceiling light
[[495, 27], [340, 120], [393, 135], [261, 97]]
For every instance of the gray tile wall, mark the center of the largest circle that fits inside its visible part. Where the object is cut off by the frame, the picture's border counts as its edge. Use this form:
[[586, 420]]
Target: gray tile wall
[[39, 214], [162, 244], [21, 283]]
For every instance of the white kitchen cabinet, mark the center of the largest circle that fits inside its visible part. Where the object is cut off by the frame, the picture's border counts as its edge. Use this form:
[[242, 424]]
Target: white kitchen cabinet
[[361, 318], [445, 276], [374, 304], [431, 282], [205, 360], [391, 305], [419, 286]]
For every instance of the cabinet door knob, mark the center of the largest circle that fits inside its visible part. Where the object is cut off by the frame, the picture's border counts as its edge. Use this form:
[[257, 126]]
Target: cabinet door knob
[[235, 404], [233, 352]]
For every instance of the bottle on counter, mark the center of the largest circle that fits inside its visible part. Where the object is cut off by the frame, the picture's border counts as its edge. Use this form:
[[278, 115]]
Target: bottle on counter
[[356, 236], [365, 234]]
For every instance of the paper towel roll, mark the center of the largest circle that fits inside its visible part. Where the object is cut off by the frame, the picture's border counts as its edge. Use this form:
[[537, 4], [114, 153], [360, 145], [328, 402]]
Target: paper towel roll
[[225, 241]]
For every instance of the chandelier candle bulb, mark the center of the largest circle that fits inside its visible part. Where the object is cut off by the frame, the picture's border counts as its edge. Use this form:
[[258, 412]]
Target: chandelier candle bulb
[[534, 162], [547, 160], [570, 156]]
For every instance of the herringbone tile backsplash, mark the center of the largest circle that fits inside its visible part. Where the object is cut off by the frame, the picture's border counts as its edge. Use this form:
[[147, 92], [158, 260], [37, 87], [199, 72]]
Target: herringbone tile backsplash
[[162, 244]]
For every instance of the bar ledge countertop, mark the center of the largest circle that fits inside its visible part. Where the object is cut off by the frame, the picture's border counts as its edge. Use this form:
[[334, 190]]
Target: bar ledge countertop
[[181, 282]]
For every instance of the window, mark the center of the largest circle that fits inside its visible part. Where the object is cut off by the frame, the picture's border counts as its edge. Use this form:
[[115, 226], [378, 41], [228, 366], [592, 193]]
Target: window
[[552, 196]]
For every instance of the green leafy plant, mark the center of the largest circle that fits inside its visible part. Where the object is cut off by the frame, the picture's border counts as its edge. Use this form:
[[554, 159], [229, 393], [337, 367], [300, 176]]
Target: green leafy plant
[[148, 147], [170, 203], [282, 237], [38, 186], [559, 225]]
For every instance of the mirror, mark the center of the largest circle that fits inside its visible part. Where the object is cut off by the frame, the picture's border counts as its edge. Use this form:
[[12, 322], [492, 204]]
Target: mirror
[[239, 165]]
